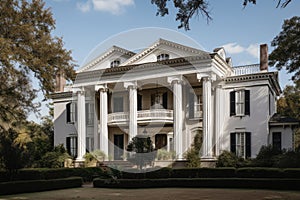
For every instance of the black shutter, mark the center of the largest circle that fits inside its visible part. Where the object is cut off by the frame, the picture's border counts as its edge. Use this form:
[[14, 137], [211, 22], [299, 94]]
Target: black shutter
[[247, 102], [232, 143], [248, 145], [68, 112], [139, 102], [75, 114], [86, 113], [68, 145], [191, 105], [165, 100], [76, 147], [232, 103]]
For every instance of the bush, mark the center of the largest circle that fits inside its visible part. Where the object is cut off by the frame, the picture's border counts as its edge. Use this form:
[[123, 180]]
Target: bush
[[163, 154], [259, 172], [39, 185], [267, 157], [193, 158]]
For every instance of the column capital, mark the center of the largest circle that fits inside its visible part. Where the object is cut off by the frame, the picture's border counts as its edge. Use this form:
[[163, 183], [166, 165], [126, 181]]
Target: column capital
[[130, 84], [174, 79], [77, 90], [206, 76], [101, 87]]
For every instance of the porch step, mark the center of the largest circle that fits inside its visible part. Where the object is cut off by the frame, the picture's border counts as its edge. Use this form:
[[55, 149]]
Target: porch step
[[119, 163]]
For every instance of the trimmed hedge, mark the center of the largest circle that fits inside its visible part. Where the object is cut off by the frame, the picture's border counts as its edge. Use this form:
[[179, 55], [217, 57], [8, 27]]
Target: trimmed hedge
[[56, 173], [15, 187], [278, 184]]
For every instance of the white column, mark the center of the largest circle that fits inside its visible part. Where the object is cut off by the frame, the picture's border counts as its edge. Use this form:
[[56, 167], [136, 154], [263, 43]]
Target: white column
[[103, 119], [132, 87], [177, 113], [96, 125], [218, 118], [207, 119], [81, 126]]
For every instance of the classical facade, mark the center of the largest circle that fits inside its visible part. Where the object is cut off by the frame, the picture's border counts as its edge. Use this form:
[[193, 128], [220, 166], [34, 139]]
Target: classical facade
[[170, 92]]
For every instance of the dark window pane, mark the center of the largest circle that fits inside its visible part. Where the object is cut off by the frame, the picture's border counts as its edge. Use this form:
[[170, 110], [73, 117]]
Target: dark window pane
[[232, 143], [232, 103], [247, 102], [248, 144]]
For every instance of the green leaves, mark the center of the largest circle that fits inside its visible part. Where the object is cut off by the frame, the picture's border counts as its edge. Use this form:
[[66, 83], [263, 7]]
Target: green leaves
[[287, 44]]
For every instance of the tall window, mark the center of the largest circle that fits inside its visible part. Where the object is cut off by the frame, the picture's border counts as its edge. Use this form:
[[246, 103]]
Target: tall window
[[71, 144], [240, 143], [89, 109], [195, 106], [118, 104], [276, 140], [71, 112], [159, 100], [240, 103], [162, 57], [115, 63]]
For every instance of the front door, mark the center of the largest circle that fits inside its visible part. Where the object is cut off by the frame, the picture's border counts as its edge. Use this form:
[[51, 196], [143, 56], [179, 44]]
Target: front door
[[118, 146]]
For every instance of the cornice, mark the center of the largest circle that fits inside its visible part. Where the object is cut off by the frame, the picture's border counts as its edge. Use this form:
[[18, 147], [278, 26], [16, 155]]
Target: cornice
[[61, 95], [271, 76]]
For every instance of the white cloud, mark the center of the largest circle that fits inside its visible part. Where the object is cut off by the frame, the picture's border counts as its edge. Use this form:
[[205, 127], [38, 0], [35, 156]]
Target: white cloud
[[253, 50], [115, 7], [234, 48], [84, 7]]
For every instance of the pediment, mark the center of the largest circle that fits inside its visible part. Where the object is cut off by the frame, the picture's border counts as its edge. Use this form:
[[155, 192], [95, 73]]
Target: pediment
[[104, 60], [174, 50]]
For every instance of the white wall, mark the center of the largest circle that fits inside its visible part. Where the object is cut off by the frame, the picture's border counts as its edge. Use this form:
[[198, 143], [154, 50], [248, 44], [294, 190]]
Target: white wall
[[286, 136], [256, 123]]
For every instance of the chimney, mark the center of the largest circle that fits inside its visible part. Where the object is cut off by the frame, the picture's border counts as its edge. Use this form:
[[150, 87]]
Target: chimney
[[264, 57], [60, 82]]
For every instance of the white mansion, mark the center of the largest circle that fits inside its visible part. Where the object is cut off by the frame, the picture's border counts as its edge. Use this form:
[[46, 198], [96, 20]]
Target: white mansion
[[170, 92]]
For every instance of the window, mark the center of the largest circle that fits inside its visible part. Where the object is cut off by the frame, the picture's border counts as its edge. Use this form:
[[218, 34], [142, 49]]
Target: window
[[162, 57], [240, 144], [139, 102], [159, 100], [240, 103], [71, 144], [195, 106], [277, 140], [89, 110], [71, 112], [115, 63], [160, 141], [118, 104]]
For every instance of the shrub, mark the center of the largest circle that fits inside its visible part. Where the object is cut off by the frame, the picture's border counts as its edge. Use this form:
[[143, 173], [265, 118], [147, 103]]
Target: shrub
[[163, 154], [39, 185], [259, 172], [193, 158], [227, 159], [267, 157]]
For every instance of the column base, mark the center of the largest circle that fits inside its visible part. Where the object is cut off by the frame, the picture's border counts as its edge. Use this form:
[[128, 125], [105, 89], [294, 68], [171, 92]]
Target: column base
[[208, 162]]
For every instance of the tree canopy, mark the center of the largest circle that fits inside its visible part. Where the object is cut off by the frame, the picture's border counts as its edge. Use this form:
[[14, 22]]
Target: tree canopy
[[287, 44], [187, 9], [28, 49]]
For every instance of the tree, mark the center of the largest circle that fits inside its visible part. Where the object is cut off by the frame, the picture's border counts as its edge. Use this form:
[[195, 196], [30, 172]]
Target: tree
[[188, 8], [287, 43], [27, 50]]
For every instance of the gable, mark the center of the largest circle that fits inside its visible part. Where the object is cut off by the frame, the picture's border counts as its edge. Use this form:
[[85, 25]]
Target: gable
[[174, 50], [104, 60]]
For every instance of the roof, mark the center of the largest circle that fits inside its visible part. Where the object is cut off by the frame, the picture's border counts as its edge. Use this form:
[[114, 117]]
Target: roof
[[279, 119]]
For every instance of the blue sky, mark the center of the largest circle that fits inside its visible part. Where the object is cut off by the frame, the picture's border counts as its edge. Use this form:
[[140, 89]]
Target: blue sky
[[84, 24]]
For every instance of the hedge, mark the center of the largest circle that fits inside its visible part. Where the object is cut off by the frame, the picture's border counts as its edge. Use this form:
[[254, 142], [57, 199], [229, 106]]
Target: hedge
[[56, 173], [15, 187], [278, 184]]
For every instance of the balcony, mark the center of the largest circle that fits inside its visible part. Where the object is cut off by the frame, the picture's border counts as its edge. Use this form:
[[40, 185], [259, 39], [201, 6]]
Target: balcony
[[143, 116], [247, 69]]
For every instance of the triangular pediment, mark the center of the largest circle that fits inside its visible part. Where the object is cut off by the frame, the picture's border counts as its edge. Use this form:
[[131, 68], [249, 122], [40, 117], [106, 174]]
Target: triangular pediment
[[104, 60], [174, 50]]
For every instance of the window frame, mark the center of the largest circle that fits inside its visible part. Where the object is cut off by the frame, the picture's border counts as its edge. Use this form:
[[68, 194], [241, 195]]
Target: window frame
[[115, 63], [244, 144], [239, 102], [162, 57]]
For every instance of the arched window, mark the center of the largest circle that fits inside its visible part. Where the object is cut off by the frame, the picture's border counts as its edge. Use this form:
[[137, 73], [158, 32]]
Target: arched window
[[163, 56], [115, 63]]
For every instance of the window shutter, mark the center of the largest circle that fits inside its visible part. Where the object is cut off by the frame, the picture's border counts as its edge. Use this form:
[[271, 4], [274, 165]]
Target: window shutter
[[139, 102], [68, 145], [76, 149], [68, 112], [248, 145], [75, 111], [232, 103], [165, 100], [87, 113], [247, 102], [232, 143], [191, 105]]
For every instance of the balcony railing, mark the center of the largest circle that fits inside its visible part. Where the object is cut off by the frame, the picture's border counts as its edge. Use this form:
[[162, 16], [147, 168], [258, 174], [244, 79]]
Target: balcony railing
[[247, 69], [160, 115]]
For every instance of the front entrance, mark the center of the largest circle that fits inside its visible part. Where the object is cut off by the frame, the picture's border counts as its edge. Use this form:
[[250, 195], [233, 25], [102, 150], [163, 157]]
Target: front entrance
[[160, 141], [118, 146]]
